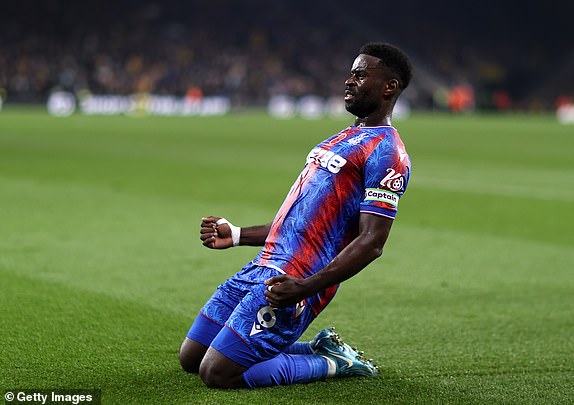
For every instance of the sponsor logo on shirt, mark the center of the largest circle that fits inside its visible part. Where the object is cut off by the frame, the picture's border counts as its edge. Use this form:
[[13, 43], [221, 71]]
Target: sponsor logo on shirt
[[357, 140], [394, 180], [327, 159]]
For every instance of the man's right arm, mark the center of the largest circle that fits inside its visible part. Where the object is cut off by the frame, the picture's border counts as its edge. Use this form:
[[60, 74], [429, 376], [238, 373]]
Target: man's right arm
[[219, 236], [254, 235]]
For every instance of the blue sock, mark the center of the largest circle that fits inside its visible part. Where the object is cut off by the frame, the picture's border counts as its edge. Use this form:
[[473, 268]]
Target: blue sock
[[286, 369], [299, 348]]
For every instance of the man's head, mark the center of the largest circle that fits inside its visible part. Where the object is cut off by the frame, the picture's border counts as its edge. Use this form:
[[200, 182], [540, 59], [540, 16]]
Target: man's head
[[379, 74], [393, 58]]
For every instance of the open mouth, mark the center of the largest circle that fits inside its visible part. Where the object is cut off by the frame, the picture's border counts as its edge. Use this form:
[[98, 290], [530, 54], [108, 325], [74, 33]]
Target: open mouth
[[349, 95]]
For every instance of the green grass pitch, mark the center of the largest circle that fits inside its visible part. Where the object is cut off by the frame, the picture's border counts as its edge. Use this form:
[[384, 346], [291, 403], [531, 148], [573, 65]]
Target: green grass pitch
[[102, 270]]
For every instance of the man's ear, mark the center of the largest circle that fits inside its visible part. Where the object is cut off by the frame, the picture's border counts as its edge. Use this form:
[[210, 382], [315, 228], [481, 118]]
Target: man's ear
[[392, 87]]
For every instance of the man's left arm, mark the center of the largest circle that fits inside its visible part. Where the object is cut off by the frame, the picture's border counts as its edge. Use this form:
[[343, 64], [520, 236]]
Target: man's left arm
[[366, 247]]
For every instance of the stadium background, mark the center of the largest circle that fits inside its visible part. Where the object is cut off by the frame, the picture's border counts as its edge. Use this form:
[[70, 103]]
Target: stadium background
[[101, 269], [512, 55]]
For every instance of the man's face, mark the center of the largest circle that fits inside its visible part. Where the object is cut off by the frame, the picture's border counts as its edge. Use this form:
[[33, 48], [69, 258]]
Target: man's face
[[364, 88]]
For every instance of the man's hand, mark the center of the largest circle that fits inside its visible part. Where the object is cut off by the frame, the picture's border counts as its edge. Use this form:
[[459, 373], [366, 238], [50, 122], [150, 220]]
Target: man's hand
[[285, 290], [215, 236]]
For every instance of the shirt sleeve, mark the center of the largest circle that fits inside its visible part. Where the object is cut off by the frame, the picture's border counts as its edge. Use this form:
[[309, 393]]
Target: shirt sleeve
[[386, 175]]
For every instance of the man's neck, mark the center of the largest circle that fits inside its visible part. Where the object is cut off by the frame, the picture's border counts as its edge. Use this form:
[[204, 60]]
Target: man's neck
[[373, 121]]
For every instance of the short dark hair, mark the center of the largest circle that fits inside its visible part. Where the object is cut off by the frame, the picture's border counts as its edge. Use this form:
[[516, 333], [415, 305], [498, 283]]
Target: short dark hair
[[393, 58]]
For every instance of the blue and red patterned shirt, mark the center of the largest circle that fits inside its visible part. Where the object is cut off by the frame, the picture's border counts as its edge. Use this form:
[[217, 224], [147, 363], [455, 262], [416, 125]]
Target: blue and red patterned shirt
[[358, 170]]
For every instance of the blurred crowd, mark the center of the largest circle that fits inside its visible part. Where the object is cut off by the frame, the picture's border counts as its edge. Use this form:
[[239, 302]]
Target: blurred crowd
[[146, 51], [251, 50]]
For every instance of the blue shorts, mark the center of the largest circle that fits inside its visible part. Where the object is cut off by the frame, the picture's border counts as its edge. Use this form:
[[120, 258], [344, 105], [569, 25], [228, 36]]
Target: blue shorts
[[238, 321]]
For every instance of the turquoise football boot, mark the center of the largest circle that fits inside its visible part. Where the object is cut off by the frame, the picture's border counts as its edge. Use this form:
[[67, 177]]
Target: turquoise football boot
[[344, 361]]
